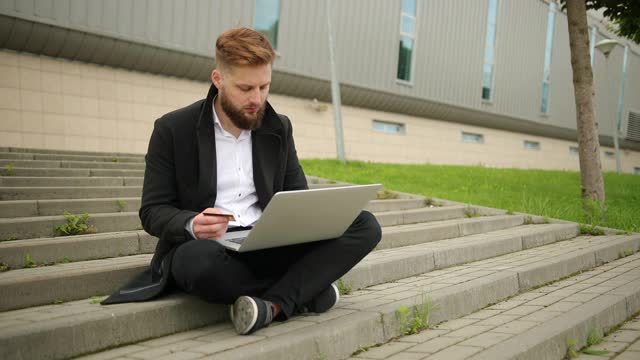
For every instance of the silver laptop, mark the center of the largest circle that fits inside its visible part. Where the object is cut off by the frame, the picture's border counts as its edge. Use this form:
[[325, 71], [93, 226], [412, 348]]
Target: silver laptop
[[294, 217]]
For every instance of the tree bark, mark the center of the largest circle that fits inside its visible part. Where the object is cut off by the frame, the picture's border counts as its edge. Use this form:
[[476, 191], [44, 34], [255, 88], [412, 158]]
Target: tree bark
[[592, 183]]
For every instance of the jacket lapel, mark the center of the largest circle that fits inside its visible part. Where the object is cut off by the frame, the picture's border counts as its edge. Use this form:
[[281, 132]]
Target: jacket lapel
[[207, 169], [267, 156]]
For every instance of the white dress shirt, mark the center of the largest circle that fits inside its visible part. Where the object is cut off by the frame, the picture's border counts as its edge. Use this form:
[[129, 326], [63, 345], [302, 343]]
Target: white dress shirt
[[236, 191]]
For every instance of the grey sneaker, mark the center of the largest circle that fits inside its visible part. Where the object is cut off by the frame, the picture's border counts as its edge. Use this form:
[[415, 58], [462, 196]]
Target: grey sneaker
[[324, 301], [249, 314]]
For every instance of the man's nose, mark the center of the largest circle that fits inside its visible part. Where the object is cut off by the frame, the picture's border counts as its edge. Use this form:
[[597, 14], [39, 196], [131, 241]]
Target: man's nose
[[255, 95]]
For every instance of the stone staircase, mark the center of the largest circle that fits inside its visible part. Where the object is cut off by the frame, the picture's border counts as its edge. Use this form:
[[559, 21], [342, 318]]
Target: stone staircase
[[501, 285]]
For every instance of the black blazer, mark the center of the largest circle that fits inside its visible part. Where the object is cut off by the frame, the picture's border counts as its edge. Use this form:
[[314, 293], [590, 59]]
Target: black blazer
[[180, 181]]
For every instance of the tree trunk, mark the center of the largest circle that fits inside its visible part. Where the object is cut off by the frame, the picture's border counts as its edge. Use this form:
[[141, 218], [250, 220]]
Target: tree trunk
[[592, 184]]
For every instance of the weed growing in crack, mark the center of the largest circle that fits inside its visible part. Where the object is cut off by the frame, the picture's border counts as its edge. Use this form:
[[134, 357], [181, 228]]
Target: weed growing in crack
[[75, 225], [344, 288]]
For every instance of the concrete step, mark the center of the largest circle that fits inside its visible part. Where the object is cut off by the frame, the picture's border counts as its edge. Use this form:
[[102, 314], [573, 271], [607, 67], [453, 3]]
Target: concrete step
[[116, 172], [544, 323], [46, 172], [67, 152], [623, 343], [44, 226], [76, 248], [5, 164], [368, 317], [84, 246], [59, 172], [430, 214], [395, 205], [66, 192], [27, 208], [403, 235], [70, 164], [52, 156], [15, 156], [23, 208], [405, 261], [71, 281], [27, 181], [71, 192]]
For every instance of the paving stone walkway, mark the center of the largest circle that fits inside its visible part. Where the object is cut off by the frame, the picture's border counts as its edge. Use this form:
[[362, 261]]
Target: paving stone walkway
[[524, 316]]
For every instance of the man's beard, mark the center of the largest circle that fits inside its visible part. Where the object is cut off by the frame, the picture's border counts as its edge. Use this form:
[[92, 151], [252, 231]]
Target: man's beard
[[238, 117]]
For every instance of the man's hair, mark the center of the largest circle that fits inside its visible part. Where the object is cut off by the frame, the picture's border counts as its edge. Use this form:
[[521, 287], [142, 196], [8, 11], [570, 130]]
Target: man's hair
[[243, 47]]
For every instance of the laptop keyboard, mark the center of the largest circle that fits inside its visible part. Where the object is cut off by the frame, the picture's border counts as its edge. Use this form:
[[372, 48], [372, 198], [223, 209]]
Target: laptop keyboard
[[237, 240]]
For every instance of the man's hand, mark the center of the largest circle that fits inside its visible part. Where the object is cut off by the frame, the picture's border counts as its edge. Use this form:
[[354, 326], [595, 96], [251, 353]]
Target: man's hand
[[210, 227]]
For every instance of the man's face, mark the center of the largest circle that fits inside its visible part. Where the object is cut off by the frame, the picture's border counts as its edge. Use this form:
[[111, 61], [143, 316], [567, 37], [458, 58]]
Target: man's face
[[243, 92]]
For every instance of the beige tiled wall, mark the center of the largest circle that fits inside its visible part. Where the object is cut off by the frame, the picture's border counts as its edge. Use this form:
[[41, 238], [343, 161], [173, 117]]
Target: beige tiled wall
[[61, 104]]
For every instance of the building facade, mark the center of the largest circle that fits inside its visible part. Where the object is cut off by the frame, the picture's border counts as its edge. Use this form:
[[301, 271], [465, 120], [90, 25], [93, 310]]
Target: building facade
[[422, 81]]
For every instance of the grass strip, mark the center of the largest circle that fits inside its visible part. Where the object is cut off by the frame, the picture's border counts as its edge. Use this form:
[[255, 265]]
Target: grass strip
[[554, 194]]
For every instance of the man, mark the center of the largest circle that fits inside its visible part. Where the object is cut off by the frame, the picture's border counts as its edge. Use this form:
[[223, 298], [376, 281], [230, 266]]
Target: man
[[230, 153]]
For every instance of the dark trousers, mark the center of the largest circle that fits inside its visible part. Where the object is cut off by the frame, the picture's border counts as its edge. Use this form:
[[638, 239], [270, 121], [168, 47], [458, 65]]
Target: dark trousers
[[289, 276]]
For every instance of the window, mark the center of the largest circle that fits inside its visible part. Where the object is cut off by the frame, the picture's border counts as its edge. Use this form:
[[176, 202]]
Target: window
[[388, 127], [489, 52], [472, 138], [610, 154], [633, 125], [592, 43], [531, 145], [407, 39], [636, 171], [573, 150], [546, 80], [266, 19]]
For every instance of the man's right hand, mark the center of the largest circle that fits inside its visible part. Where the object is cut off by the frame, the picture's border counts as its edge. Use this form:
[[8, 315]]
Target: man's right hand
[[210, 227]]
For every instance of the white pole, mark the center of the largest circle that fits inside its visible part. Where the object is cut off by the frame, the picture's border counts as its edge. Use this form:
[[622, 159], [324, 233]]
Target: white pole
[[335, 92], [606, 46], [614, 123]]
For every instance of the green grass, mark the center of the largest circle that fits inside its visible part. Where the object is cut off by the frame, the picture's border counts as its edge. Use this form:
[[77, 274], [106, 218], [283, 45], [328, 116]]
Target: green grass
[[554, 194]]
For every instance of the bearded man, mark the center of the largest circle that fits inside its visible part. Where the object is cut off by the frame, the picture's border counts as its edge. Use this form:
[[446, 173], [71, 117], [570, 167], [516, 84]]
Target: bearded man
[[229, 154]]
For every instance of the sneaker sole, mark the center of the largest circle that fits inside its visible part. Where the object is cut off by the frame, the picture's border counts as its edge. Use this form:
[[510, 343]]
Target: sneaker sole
[[244, 314], [335, 288]]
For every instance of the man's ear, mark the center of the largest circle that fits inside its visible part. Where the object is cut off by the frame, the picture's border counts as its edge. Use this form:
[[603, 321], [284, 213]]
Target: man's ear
[[216, 78]]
